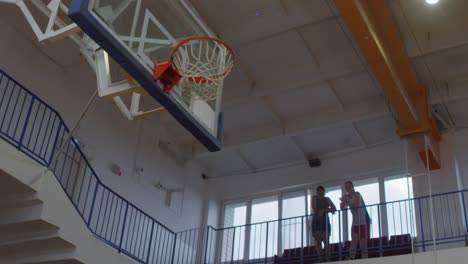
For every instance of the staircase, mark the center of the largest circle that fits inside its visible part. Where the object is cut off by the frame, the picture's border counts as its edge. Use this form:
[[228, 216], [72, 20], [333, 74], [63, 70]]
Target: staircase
[[24, 236]]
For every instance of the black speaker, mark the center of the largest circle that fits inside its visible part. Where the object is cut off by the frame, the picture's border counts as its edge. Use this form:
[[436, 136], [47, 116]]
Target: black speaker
[[315, 163]]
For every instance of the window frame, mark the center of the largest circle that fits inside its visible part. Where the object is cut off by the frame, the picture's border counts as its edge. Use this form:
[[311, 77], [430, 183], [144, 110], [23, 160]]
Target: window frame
[[309, 189]]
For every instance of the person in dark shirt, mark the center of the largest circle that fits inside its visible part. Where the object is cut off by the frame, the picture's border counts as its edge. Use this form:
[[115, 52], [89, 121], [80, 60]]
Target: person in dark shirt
[[320, 222]]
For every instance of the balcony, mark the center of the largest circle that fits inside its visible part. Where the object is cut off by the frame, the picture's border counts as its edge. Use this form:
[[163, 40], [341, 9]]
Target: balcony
[[401, 227]]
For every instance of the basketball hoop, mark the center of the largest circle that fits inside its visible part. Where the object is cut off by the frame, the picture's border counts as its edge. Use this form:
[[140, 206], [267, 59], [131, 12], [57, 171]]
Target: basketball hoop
[[199, 65]]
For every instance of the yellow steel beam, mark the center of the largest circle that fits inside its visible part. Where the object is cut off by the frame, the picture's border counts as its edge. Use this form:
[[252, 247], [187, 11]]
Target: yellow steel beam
[[375, 33]]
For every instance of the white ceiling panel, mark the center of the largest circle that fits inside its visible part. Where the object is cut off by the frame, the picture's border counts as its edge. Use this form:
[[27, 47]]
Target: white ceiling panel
[[377, 130], [238, 24], [269, 153], [247, 114], [354, 88], [459, 112], [444, 65], [434, 26], [236, 85], [301, 101], [224, 162], [328, 140], [331, 47], [283, 60]]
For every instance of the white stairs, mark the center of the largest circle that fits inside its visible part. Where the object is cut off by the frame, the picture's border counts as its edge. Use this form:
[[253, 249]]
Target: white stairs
[[24, 236]]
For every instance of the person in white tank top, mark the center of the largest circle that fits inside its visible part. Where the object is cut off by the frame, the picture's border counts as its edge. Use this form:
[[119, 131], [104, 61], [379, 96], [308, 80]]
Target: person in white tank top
[[360, 229]]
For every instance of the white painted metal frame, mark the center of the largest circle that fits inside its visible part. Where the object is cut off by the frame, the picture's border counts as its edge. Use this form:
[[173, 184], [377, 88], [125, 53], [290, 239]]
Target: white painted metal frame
[[107, 89], [51, 10]]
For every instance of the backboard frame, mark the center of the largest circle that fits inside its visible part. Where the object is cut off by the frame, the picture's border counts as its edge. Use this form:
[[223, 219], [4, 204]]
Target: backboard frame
[[80, 13]]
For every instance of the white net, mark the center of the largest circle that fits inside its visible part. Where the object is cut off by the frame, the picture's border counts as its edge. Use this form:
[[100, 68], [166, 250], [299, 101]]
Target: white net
[[203, 64]]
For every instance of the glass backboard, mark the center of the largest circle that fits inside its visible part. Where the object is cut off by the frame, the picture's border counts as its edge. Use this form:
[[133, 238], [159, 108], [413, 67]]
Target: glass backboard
[[137, 34]]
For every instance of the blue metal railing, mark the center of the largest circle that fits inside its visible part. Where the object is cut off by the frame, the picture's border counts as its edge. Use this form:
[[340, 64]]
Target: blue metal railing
[[398, 227], [35, 128]]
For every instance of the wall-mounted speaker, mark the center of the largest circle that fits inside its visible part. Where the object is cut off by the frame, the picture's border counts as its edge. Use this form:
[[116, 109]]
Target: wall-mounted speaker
[[315, 163]]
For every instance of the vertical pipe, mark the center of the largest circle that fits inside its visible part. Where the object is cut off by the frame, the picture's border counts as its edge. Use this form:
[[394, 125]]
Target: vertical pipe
[[340, 245], [380, 232], [302, 240], [421, 224], [206, 244], [431, 202], [266, 243], [233, 243], [464, 213]]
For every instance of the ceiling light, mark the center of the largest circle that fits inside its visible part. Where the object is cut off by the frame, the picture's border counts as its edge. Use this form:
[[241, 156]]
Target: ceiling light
[[432, 2]]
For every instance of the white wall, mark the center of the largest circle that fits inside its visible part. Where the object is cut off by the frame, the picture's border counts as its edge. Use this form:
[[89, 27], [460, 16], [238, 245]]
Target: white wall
[[379, 161], [66, 82]]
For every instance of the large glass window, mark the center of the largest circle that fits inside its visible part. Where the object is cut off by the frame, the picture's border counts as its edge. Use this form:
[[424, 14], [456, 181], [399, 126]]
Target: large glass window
[[235, 216], [334, 193], [400, 210], [294, 208], [261, 231], [369, 190]]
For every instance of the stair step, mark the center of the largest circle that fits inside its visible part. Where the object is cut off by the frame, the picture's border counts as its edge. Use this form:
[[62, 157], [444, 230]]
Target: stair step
[[65, 261], [20, 211], [9, 185], [16, 204], [15, 232], [48, 249]]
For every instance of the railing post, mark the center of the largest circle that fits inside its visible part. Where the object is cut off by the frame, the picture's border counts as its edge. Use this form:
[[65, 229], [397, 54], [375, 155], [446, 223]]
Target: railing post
[[464, 213], [421, 224], [123, 228], [55, 141], [302, 240], [174, 249], [380, 231], [150, 243], [206, 243], [266, 244], [340, 245], [233, 243], [26, 122], [92, 204]]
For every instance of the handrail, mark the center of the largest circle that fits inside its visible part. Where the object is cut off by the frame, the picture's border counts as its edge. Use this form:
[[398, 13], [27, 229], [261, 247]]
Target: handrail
[[397, 227], [38, 130], [339, 211]]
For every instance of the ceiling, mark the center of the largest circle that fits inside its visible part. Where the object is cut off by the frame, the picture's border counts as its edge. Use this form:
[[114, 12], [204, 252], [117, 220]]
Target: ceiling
[[301, 89]]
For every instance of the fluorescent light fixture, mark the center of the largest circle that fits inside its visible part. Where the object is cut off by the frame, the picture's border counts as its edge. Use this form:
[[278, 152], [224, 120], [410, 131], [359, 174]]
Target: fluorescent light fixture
[[432, 2]]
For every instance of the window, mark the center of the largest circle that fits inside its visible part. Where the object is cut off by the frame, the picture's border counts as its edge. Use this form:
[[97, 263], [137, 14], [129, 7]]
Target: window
[[400, 211], [263, 232], [294, 204], [294, 207], [235, 214], [334, 193], [234, 238], [369, 190]]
